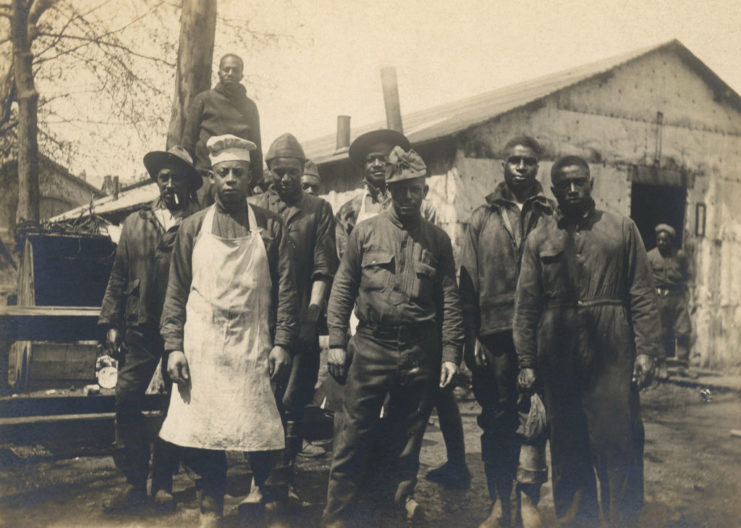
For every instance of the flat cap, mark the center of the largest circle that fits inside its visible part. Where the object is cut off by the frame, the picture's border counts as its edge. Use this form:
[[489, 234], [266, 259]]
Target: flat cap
[[285, 146], [404, 166], [363, 143]]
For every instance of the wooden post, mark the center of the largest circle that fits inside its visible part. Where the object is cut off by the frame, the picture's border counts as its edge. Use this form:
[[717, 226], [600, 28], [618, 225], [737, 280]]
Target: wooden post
[[195, 55], [391, 99], [28, 99]]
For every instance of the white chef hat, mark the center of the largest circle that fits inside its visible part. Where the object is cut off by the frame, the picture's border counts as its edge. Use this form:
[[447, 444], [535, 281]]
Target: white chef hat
[[228, 148]]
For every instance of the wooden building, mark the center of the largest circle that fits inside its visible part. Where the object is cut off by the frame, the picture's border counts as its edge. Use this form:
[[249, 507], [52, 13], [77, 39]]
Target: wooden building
[[662, 134]]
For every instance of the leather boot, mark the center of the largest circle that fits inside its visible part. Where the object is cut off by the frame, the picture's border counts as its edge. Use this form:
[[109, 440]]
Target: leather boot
[[527, 500]]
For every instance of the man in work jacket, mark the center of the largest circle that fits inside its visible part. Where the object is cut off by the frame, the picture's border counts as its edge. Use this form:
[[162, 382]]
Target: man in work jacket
[[490, 265], [586, 324], [310, 226], [130, 316], [398, 271], [229, 324], [671, 272]]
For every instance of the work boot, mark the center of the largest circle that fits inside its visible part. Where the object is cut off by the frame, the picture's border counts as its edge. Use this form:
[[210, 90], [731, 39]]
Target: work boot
[[163, 500], [310, 450], [527, 499], [451, 476], [413, 511], [496, 518], [132, 500]]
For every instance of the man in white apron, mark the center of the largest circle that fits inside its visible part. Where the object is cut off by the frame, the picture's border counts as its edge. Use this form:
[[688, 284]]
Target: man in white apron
[[229, 322]]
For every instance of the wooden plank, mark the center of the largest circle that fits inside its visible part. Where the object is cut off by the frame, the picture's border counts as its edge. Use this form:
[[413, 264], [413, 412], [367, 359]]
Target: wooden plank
[[49, 311], [64, 403], [49, 323]]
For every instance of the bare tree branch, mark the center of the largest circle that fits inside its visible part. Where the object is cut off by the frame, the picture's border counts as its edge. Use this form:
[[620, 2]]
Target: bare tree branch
[[37, 9], [99, 42]]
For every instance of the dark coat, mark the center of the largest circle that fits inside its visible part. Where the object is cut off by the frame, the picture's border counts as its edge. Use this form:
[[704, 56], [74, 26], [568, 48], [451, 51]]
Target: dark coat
[[311, 231], [138, 281], [490, 258]]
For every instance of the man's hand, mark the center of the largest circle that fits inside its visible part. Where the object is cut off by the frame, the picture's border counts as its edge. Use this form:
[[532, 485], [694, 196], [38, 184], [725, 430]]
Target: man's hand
[[177, 367], [447, 373], [279, 363], [643, 371], [113, 342], [479, 356], [526, 378], [337, 364]]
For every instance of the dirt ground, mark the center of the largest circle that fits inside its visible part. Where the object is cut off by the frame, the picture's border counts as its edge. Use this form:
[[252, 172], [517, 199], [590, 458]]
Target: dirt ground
[[692, 477]]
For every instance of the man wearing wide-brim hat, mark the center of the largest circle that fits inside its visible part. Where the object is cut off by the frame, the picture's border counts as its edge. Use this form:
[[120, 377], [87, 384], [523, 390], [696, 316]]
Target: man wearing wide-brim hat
[[129, 321], [399, 274], [671, 272], [229, 323], [370, 152]]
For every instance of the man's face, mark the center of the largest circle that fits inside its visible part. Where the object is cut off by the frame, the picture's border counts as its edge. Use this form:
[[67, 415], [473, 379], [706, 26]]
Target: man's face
[[375, 164], [230, 70], [520, 168], [407, 196], [232, 181], [572, 188], [664, 241], [286, 174], [310, 185], [173, 187]]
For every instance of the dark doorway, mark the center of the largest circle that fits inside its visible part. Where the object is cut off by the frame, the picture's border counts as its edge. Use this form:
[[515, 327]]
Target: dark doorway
[[657, 204]]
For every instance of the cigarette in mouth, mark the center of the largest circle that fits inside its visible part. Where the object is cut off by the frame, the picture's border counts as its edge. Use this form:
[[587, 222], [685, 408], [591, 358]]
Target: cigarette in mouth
[[177, 201]]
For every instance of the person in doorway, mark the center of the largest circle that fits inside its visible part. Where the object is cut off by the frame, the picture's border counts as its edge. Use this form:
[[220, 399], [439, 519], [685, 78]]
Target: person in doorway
[[229, 323], [671, 273], [398, 271], [225, 109], [129, 319], [310, 181], [586, 324], [311, 231], [490, 265]]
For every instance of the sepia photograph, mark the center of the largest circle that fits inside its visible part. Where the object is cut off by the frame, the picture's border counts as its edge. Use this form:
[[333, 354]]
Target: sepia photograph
[[370, 264]]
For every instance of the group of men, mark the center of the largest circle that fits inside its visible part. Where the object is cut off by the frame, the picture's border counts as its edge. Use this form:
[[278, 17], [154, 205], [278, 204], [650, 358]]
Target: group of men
[[555, 300]]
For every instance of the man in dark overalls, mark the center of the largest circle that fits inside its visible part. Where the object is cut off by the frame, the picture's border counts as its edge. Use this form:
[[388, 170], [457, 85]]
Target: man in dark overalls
[[586, 324]]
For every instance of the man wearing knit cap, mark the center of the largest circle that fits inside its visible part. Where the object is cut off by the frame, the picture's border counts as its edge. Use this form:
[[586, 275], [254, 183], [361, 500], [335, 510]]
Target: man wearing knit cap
[[129, 318], [399, 274], [671, 272], [225, 109], [310, 181], [586, 324], [310, 227], [229, 324]]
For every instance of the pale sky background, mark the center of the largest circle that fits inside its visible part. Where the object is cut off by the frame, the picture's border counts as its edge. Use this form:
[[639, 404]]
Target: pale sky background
[[330, 62]]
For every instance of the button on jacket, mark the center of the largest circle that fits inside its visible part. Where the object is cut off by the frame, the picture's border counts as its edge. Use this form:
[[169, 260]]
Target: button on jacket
[[397, 277], [490, 259]]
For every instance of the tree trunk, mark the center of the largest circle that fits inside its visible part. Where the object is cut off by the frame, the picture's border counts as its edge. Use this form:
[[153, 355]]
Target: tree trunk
[[195, 55], [28, 98]]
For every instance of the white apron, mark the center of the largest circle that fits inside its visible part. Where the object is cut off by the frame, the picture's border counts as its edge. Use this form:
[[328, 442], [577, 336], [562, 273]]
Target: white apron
[[228, 403], [363, 214]]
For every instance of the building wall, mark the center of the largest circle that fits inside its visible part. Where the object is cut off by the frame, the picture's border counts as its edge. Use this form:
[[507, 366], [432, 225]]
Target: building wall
[[612, 122]]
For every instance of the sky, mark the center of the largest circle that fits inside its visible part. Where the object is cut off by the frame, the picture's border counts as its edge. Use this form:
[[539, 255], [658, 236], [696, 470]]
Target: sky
[[328, 57]]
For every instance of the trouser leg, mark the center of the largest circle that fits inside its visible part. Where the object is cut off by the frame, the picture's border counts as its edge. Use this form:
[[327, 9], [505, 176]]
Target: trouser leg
[[451, 426], [370, 374], [131, 451], [210, 466], [495, 389]]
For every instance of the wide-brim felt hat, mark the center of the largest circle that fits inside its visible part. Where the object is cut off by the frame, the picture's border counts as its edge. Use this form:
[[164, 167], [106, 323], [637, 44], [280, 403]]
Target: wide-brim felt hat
[[176, 158], [362, 144]]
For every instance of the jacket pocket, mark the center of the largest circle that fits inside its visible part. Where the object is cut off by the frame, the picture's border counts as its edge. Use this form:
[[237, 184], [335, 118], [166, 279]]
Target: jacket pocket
[[131, 296], [553, 271], [425, 268], [378, 267]]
